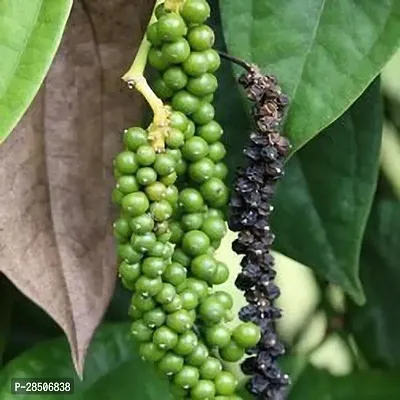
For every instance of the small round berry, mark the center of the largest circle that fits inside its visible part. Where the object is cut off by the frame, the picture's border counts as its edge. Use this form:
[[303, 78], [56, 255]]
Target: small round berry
[[185, 102], [166, 294], [128, 254], [199, 287], [204, 390], [126, 163], [196, 64], [161, 210], [202, 170], [151, 352], [175, 52], [195, 11], [117, 196], [246, 335], [180, 257], [174, 305], [145, 155], [148, 286], [225, 299], [127, 184], [203, 85], [209, 98], [153, 267], [201, 37], [179, 121], [162, 90], [157, 59], [161, 250], [143, 304], [221, 171], [211, 311], [164, 164], [204, 114], [198, 355], [190, 130], [189, 299], [232, 352], [175, 139], [130, 272], [154, 318], [176, 232], [187, 377], [210, 132], [152, 34], [195, 243], [171, 364], [204, 267], [175, 78], [221, 275], [142, 224], [187, 342], [143, 243], [155, 191], [217, 151], [160, 11], [214, 60], [140, 331], [225, 383], [134, 138], [122, 228], [210, 368], [215, 192], [192, 221], [214, 227], [169, 179], [171, 27], [218, 335], [146, 176], [135, 204], [191, 200], [165, 338], [180, 321], [175, 274], [195, 149], [134, 313]]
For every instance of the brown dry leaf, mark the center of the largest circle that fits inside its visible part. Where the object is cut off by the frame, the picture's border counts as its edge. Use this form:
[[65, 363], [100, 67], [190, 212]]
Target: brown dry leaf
[[55, 171]]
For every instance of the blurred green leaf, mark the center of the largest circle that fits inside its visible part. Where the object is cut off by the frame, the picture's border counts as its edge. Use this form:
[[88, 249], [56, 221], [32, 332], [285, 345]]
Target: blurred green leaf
[[366, 385], [324, 52], [113, 369], [30, 32], [376, 326], [323, 202]]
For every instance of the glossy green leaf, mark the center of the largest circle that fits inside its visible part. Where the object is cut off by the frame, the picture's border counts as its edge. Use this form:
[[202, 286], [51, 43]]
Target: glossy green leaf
[[113, 369], [30, 32], [324, 52], [366, 385], [376, 326], [323, 202]]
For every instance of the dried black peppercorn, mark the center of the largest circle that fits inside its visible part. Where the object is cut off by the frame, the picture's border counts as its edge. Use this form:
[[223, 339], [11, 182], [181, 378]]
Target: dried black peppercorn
[[250, 209]]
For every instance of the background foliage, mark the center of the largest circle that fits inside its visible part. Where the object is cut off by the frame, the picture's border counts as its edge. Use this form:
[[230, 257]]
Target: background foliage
[[337, 210]]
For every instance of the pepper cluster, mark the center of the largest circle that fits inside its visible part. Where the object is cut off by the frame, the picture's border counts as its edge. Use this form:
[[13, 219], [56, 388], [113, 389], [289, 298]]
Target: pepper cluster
[[250, 216], [171, 193]]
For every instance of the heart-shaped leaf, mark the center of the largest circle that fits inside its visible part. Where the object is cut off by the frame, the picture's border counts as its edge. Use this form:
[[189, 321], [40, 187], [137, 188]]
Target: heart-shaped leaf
[[55, 209], [376, 325], [323, 202], [30, 33], [324, 52], [113, 369]]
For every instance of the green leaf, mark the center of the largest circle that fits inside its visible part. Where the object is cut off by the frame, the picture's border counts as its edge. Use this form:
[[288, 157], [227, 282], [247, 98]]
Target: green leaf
[[366, 385], [324, 52], [30, 32], [376, 326], [113, 369], [323, 202]]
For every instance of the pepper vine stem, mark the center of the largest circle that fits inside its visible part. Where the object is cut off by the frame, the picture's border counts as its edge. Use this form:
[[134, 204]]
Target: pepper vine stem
[[134, 77], [236, 60]]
